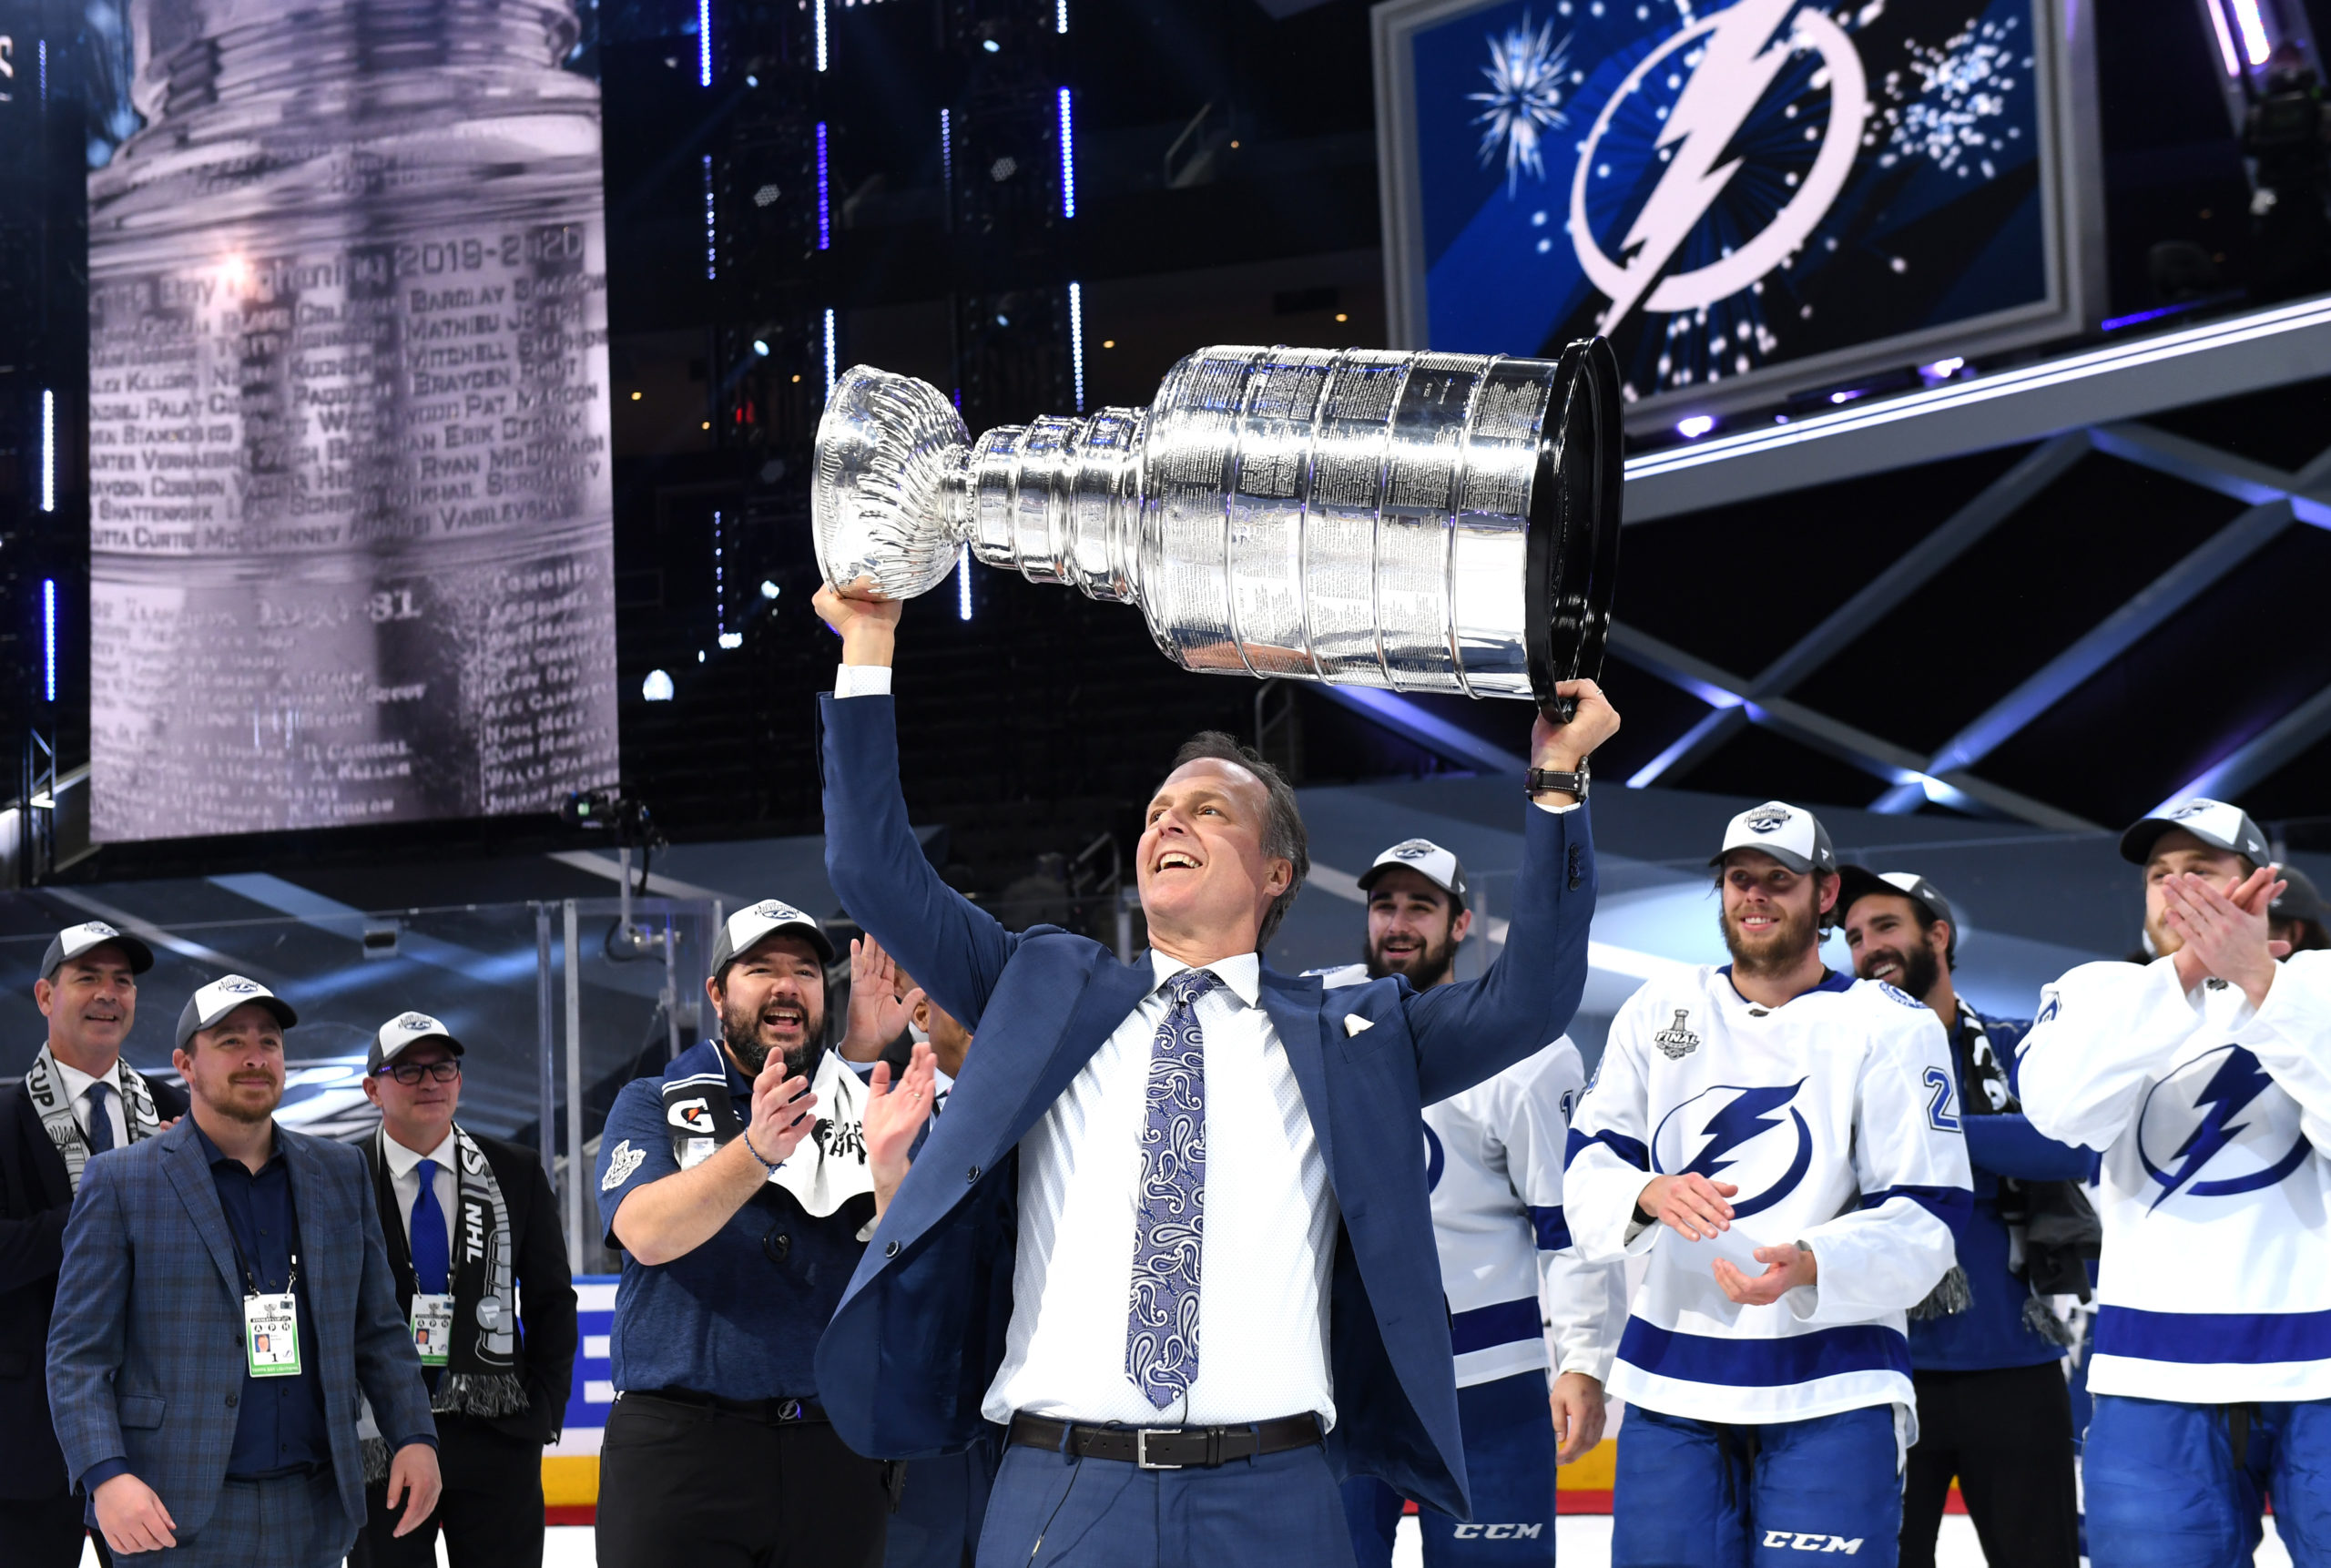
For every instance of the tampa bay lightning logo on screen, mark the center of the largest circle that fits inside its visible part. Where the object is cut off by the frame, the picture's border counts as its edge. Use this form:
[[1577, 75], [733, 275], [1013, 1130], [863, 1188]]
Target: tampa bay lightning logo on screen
[[2218, 1128], [1754, 1138], [1720, 189]]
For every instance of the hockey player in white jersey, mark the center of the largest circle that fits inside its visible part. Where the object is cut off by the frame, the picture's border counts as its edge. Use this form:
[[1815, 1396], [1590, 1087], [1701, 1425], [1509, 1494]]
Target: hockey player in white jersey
[[1523, 1312], [2205, 1077], [1784, 1142]]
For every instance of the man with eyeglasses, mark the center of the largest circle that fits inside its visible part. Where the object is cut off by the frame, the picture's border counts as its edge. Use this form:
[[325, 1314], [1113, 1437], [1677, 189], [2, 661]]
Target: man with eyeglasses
[[469, 1222]]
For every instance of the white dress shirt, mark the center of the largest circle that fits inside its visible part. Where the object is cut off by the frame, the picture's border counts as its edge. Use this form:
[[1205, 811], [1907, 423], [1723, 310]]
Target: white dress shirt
[[404, 1180], [1270, 1230], [76, 1090]]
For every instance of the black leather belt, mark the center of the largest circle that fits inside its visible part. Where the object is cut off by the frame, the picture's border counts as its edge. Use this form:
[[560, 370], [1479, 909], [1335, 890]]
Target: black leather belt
[[1169, 1447], [774, 1412]]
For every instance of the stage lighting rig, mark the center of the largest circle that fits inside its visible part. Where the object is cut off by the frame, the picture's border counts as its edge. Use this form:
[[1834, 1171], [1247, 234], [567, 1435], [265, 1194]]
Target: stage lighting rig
[[619, 811]]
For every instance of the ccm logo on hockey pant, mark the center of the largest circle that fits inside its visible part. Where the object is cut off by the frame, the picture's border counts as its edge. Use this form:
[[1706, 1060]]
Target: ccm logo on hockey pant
[[1798, 1540], [1505, 1532]]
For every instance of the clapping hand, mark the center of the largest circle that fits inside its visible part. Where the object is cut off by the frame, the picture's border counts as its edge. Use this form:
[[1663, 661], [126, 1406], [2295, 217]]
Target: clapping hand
[[2225, 929], [877, 1014], [893, 1117], [781, 1107], [1787, 1268]]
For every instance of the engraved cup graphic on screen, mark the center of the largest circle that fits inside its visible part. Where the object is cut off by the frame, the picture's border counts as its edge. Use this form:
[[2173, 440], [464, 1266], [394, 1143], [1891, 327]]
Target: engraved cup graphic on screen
[[351, 519], [1421, 522]]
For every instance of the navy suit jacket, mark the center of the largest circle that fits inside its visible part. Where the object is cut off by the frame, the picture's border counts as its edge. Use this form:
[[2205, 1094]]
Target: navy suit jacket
[[146, 1349], [35, 1194], [920, 1335]]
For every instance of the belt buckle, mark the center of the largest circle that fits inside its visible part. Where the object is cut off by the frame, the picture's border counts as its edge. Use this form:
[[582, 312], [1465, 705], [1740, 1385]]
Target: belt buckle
[[1141, 1451]]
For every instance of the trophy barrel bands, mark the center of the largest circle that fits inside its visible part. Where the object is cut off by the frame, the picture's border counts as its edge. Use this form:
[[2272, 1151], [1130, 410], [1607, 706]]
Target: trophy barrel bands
[[1360, 518], [1426, 521]]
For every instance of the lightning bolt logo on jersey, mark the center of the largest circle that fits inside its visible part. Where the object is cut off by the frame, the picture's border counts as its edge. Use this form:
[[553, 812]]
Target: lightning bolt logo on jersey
[[1816, 1111], [2218, 1126], [2214, 1190], [1721, 1135]]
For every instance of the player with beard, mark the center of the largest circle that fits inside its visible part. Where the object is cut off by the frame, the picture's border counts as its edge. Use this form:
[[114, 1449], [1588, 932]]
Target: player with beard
[[1524, 1313], [1986, 1350], [1784, 1143], [738, 1187]]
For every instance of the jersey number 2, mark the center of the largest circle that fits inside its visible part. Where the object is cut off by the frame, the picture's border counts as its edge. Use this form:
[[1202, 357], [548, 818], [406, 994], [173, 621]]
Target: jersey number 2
[[1938, 1115]]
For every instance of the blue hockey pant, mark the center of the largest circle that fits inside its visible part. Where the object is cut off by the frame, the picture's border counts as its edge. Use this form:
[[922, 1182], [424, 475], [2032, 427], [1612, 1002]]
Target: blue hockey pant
[[1699, 1494], [2183, 1486]]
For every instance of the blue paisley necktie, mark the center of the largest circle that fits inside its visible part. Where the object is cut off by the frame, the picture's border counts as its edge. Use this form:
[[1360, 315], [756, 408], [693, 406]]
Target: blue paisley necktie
[[1169, 1213]]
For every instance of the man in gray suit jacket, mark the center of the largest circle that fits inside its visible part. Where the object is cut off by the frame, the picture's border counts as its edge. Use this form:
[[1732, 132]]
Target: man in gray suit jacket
[[225, 1295]]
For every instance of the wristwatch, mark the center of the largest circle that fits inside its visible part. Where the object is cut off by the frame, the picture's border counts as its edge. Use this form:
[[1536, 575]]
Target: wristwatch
[[1572, 784]]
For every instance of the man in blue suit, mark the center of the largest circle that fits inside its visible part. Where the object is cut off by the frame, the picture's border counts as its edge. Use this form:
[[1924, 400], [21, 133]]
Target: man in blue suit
[[225, 1296], [1173, 1232]]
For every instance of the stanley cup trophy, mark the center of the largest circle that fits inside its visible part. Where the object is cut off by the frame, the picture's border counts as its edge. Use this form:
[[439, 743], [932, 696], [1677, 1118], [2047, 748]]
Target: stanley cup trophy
[[1425, 522]]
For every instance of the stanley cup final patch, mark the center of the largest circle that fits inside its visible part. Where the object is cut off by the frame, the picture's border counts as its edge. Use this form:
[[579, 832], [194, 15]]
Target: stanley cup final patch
[[1677, 1042]]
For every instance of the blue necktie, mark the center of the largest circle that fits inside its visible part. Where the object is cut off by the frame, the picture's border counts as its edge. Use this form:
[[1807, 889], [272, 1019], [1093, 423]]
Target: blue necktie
[[1169, 1214], [100, 1123], [431, 1245]]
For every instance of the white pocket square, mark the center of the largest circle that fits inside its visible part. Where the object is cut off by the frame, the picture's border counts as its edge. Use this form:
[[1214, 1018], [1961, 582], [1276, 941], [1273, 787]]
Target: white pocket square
[[1354, 1023]]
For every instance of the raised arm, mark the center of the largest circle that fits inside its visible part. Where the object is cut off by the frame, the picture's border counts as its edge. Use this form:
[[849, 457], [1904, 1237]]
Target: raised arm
[[1473, 1030], [955, 949]]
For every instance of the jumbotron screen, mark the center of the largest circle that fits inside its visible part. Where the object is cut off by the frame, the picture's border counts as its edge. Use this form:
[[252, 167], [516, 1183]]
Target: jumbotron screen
[[1741, 196]]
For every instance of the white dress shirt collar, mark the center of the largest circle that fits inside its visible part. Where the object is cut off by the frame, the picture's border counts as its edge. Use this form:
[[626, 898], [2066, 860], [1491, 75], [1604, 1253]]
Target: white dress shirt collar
[[1243, 975], [76, 1082], [401, 1159]]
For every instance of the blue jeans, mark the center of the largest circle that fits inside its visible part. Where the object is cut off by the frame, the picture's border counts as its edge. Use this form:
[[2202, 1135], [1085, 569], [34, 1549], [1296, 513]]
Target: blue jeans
[[2164, 1489], [1278, 1511], [1696, 1495], [1510, 1467]]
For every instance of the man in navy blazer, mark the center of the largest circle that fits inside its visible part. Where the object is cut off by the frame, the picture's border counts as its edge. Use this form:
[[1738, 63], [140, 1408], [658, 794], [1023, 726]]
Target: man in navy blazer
[[1173, 1232], [191, 1444]]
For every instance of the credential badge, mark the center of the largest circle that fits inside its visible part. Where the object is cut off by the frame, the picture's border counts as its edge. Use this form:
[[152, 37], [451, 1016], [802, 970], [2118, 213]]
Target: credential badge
[[1677, 1042]]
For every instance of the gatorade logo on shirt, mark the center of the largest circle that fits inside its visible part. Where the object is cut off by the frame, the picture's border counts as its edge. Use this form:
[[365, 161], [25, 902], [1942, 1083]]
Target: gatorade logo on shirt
[[2218, 1128], [1750, 1136]]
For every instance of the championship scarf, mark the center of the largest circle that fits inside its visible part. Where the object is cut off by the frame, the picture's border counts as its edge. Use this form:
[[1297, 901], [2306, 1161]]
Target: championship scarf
[[46, 1086], [2052, 1227], [826, 1170], [480, 1377]]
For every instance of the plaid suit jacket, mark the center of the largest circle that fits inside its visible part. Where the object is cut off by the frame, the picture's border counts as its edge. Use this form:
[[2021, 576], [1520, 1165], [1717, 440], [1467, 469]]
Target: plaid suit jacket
[[146, 1346]]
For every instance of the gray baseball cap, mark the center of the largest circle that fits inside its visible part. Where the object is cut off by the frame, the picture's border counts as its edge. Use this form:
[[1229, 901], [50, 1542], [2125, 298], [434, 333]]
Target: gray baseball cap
[[1790, 834], [2214, 822], [756, 921], [1857, 882], [1426, 858], [208, 1007], [76, 939], [402, 1032]]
